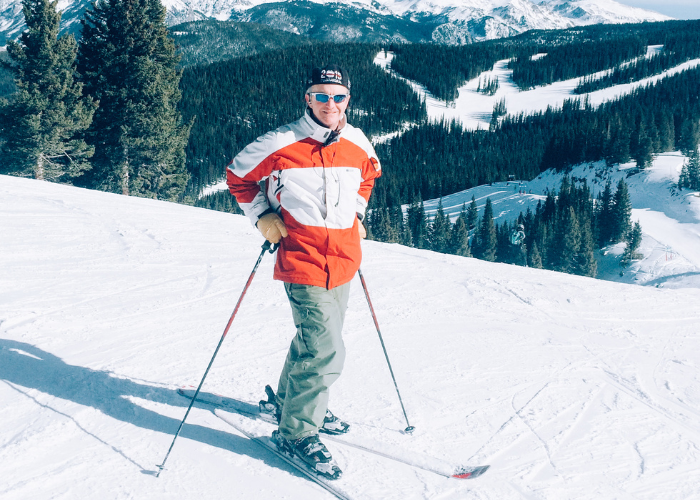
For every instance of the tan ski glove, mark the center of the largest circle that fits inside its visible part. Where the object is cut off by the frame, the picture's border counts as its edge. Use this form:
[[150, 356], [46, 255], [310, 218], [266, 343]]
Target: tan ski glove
[[272, 228], [361, 229]]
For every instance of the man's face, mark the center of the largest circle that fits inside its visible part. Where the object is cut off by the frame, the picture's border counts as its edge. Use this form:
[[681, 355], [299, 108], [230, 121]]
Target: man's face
[[330, 112]]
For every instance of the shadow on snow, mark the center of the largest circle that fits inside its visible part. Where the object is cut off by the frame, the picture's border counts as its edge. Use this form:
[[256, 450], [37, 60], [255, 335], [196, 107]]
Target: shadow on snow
[[29, 367]]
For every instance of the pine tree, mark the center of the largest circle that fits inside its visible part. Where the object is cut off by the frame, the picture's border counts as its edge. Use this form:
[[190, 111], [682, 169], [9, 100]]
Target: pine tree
[[486, 241], [417, 223], [549, 210], [504, 250], [690, 173], [382, 227], [535, 257], [644, 149], [634, 239], [621, 213], [569, 242], [128, 63], [42, 125], [472, 215], [400, 226], [586, 264], [604, 215], [617, 147], [459, 238], [689, 136], [375, 225], [667, 132], [440, 231]]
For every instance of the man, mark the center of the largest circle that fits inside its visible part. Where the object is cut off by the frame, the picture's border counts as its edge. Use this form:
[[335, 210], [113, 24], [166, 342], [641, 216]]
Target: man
[[319, 172]]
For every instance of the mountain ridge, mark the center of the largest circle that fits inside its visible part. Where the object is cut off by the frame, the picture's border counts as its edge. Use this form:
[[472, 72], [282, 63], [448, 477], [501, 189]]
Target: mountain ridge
[[437, 21]]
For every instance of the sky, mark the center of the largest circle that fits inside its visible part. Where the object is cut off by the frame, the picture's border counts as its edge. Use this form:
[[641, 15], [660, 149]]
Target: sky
[[680, 9]]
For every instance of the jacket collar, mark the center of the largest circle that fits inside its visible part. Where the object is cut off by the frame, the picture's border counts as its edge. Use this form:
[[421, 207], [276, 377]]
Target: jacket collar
[[320, 132]]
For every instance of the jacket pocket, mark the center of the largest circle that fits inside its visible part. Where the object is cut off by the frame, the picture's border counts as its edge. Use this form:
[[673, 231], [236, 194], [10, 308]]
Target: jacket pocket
[[342, 196]]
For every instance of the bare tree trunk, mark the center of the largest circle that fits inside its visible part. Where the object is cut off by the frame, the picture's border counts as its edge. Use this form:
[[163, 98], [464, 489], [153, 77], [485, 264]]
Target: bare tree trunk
[[39, 168], [125, 173]]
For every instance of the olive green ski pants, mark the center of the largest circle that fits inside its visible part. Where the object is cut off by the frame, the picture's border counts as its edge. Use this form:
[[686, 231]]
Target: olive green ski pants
[[315, 358]]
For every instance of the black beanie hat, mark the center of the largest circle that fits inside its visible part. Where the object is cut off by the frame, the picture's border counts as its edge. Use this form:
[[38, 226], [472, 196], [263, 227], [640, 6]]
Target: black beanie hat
[[330, 74]]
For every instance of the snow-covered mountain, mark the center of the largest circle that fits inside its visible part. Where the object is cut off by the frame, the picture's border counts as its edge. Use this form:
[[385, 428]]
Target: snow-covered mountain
[[445, 21], [12, 19]]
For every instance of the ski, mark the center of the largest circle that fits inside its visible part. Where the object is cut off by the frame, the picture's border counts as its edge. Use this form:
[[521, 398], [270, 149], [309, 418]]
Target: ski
[[252, 411], [247, 409], [266, 443], [459, 473]]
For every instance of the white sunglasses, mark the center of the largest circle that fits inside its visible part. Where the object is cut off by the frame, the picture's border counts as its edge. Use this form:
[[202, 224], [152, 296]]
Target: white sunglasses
[[323, 98]]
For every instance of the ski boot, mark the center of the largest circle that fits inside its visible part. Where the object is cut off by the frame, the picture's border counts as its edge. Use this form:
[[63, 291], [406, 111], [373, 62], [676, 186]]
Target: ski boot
[[311, 452], [272, 412], [333, 425]]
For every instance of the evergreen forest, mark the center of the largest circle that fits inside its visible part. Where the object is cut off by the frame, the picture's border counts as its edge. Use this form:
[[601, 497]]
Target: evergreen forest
[[573, 60], [431, 160], [101, 113], [571, 53], [562, 234], [437, 159], [205, 42], [677, 49], [444, 69]]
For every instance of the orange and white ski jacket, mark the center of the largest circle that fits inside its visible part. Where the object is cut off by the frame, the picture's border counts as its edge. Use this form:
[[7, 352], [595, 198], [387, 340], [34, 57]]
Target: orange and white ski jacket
[[318, 184]]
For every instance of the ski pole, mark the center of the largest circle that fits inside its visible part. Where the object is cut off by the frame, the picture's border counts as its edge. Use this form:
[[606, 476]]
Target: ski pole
[[267, 246], [410, 428]]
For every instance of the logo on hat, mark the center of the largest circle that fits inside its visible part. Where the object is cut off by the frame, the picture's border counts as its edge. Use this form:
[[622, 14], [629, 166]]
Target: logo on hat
[[332, 76]]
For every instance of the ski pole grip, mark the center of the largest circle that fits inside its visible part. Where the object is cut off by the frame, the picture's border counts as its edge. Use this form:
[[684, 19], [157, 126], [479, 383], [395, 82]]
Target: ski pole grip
[[268, 246]]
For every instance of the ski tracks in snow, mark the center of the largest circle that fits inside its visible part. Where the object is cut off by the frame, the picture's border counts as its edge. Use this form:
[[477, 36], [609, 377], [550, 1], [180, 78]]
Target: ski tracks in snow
[[633, 389], [532, 417], [580, 408]]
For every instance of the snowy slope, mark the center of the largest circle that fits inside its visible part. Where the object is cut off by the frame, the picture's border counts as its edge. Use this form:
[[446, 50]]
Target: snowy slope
[[571, 388], [474, 109], [670, 218]]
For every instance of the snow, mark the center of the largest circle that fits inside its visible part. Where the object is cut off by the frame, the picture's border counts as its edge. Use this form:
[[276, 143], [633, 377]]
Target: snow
[[670, 218], [474, 109], [384, 138], [554, 95], [213, 188], [463, 20], [507, 198], [569, 387]]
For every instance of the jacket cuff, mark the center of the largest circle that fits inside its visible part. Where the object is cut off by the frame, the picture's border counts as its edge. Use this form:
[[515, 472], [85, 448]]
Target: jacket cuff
[[361, 207], [254, 209], [268, 211]]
